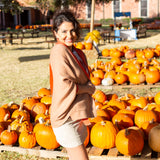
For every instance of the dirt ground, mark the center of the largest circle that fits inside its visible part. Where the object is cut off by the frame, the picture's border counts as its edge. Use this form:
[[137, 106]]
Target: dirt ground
[[24, 67]]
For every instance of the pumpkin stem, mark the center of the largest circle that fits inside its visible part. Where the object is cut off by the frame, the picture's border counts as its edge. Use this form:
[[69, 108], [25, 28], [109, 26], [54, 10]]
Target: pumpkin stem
[[126, 131], [10, 104], [21, 107], [152, 121], [145, 108], [9, 128], [41, 120], [46, 113], [20, 121], [103, 123], [6, 117]]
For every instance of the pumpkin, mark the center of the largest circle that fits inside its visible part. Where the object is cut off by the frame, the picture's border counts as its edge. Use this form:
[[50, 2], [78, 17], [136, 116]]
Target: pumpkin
[[95, 80], [115, 61], [114, 52], [148, 52], [80, 45], [18, 113], [102, 113], [127, 111], [129, 142], [27, 139], [43, 92], [19, 125], [137, 78], [6, 121], [28, 103], [147, 126], [95, 120], [3, 112], [121, 78], [9, 137], [11, 106], [112, 110], [158, 47], [38, 108], [100, 96], [98, 73], [88, 45], [47, 100], [143, 115], [1, 130], [106, 52], [110, 74], [98, 104], [152, 76], [103, 135], [44, 134], [45, 116], [139, 102], [130, 53], [107, 81], [157, 98], [117, 103], [122, 120], [154, 138]]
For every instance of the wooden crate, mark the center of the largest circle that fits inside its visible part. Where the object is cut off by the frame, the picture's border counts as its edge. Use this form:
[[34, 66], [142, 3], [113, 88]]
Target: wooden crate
[[93, 152], [129, 85]]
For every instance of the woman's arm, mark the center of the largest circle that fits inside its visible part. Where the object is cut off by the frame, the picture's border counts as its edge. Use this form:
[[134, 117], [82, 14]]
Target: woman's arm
[[85, 88]]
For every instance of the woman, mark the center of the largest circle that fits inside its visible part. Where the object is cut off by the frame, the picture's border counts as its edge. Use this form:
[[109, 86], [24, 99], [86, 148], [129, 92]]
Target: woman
[[72, 102]]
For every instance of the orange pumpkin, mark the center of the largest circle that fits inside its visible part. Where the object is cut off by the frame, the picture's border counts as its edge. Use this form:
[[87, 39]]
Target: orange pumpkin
[[100, 96], [27, 139], [103, 135], [106, 52], [88, 45], [144, 115], [129, 142], [121, 78], [44, 134], [152, 76]]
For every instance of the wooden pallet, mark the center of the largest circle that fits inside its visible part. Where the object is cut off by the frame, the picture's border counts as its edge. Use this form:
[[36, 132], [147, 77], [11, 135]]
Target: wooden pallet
[[129, 85], [93, 152]]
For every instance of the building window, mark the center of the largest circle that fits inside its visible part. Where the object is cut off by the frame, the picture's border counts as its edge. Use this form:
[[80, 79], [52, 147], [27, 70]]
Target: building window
[[144, 8], [116, 6], [89, 9]]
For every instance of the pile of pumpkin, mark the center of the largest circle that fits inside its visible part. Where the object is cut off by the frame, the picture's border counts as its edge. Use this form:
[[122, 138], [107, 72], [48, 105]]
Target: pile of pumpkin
[[128, 53], [134, 71], [126, 122], [122, 122], [84, 45], [28, 124]]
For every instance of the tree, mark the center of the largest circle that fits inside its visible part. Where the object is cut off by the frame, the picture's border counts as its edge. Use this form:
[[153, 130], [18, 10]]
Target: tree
[[11, 6]]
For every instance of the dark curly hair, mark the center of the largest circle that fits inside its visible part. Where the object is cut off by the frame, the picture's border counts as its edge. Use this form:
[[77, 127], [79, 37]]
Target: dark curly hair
[[61, 16]]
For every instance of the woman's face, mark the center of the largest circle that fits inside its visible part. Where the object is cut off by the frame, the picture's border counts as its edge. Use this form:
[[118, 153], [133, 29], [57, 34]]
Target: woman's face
[[66, 34]]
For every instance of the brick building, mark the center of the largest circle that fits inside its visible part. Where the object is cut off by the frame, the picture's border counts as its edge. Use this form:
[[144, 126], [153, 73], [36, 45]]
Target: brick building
[[138, 8], [31, 15]]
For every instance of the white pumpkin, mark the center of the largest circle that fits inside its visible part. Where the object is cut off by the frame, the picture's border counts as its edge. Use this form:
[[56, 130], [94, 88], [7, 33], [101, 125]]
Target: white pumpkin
[[154, 138], [107, 81]]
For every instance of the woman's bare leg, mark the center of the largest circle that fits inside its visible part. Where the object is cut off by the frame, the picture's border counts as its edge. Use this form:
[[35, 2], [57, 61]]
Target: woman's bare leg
[[77, 153]]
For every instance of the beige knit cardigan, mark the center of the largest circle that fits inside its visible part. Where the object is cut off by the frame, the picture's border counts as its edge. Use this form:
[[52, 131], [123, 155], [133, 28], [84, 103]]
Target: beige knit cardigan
[[68, 74]]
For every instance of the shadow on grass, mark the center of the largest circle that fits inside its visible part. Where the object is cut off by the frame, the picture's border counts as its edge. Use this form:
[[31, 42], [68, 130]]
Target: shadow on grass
[[27, 48], [33, 58]]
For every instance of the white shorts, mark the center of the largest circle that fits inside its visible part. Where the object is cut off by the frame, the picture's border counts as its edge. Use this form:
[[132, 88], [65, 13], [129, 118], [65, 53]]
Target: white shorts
[[71, 134]]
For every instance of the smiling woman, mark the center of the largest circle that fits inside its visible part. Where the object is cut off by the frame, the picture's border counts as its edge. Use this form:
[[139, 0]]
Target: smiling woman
[[71, 87]]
